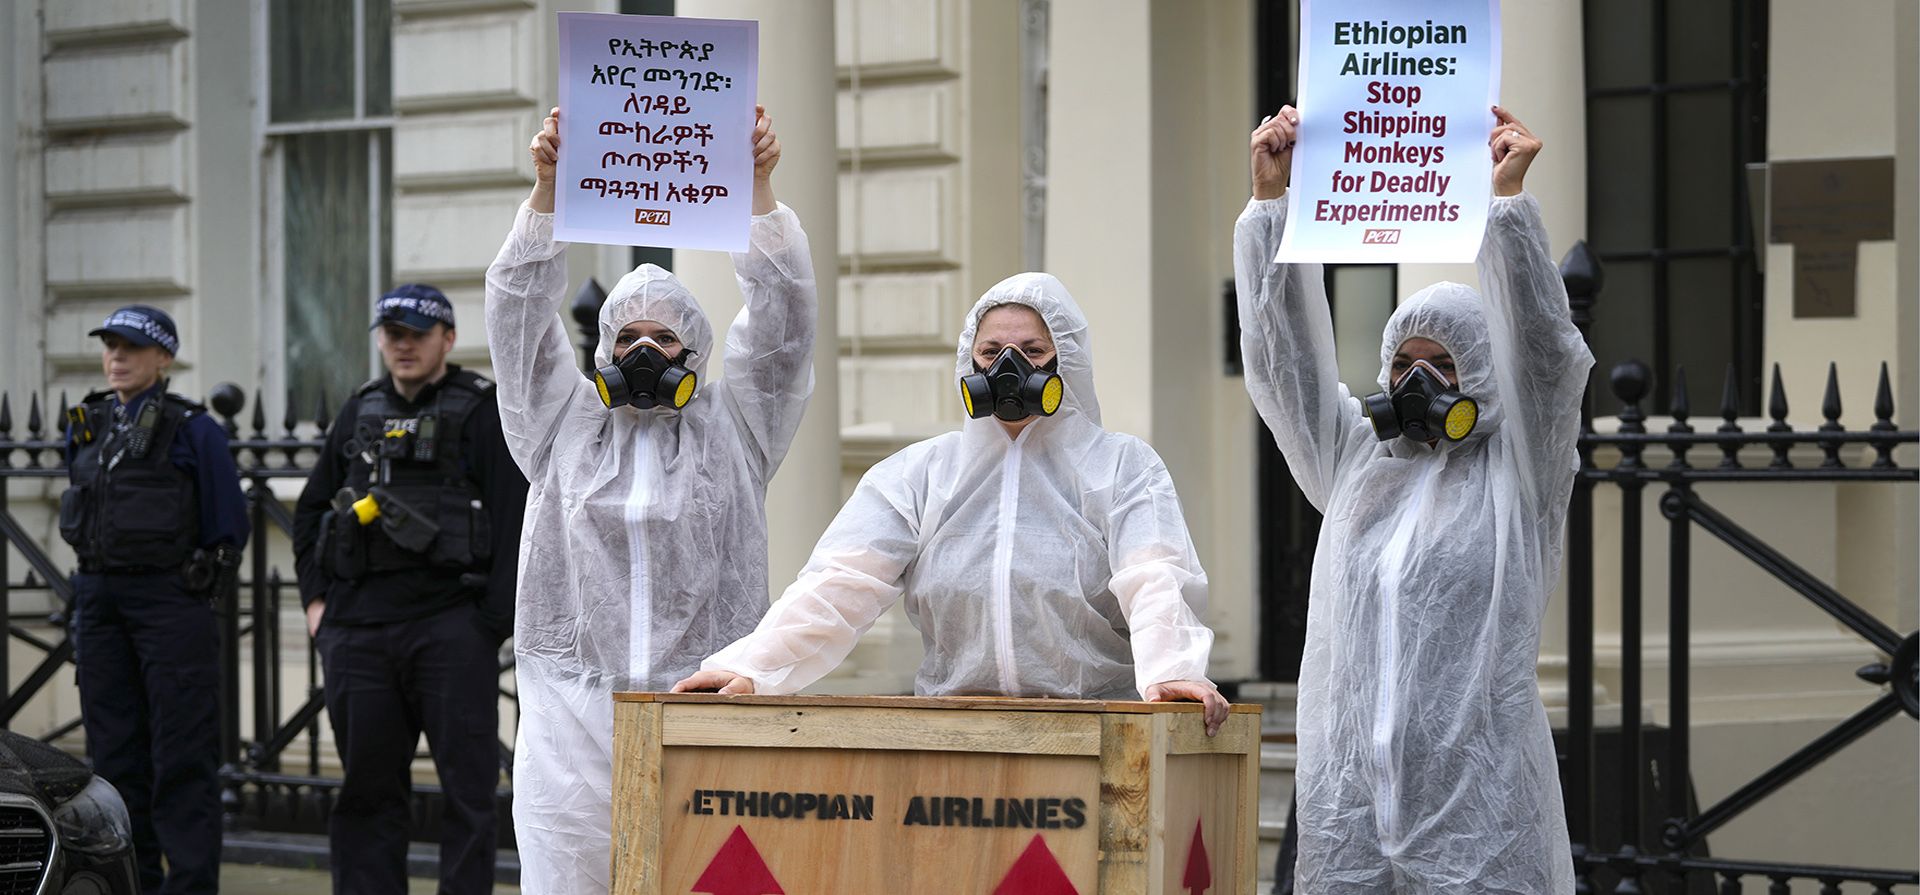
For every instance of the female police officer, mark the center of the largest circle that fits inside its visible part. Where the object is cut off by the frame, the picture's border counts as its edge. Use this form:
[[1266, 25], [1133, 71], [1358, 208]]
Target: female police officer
[[157, 518]]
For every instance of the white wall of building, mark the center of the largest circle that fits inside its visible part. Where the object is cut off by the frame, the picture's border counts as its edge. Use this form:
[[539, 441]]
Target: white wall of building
[[134, 170]]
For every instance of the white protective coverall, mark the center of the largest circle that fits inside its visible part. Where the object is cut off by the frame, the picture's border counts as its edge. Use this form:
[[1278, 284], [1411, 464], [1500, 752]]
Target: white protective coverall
[[1426, 762], [1056, 563], [645, 545]]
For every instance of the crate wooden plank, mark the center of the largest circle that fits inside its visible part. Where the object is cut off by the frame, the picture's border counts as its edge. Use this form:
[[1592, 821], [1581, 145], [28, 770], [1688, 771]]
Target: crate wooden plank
[[842, 727], [1239, 734], [964, 703], [637, 811], [1203, 803], [1126, 804]]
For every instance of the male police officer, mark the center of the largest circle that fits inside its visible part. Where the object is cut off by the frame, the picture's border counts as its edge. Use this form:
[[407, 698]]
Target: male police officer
[[157, 518], [406, 537]]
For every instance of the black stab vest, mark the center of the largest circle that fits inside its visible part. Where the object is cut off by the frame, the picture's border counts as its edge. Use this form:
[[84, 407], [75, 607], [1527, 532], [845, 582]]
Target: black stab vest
[[129, 507], [414, 455]]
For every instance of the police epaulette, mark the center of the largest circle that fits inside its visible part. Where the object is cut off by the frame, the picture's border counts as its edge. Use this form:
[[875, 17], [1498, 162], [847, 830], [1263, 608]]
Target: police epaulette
[[469, 379], [100, 395], [192, 407], [368, 386]]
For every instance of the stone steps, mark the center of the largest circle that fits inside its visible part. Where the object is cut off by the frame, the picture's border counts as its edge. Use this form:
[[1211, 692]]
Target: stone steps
[[1277, 759]]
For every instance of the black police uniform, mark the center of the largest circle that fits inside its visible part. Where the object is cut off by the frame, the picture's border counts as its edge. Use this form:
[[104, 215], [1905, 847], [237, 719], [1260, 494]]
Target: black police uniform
[[418, 599], [157, 517]]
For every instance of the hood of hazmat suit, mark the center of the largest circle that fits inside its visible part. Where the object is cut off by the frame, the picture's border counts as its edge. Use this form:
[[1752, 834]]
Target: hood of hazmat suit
[[645, 545], [1426, 762], [1056, 563]]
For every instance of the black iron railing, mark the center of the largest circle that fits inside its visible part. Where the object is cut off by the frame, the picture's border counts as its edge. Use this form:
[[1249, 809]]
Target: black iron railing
[[1671, 857], [255, 739]]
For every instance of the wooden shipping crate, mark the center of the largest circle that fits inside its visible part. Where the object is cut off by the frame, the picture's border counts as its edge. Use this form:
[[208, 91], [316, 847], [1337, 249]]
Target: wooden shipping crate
[[755, 795]]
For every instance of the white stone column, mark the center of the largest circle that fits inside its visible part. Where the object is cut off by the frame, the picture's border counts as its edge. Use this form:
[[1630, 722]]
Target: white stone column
[[1139, 228], [1906, 228], [797, 85], [1543, 84], [19, 372]]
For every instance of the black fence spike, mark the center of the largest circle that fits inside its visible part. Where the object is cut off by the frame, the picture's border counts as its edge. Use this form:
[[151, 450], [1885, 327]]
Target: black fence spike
[[322, 414], [33, 417], [1777, 409], [1830, 409], [259, 420], [1883, 403], [31, 581], [288, 419], [1730, 401], [1777, 404], [1681, 405], [1830, 404], [60, 420], [6, 416], [1681, 408], [1883, 426], [1730, 419]]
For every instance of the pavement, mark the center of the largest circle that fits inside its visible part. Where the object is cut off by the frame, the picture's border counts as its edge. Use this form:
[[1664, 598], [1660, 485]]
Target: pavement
[[267, 863], [252, 879]]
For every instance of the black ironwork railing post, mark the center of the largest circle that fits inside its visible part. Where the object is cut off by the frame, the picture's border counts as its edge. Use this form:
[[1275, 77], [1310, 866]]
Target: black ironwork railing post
[[1630, 382], [227, 401], [1581, 273], [6, 557], [230, 678], [1679, 625], [313, 725], [263, 654], [6, 596]]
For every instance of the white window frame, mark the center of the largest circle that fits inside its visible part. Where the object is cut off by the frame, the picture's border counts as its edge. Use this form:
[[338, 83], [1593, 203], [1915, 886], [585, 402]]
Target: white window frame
[[270, 246]]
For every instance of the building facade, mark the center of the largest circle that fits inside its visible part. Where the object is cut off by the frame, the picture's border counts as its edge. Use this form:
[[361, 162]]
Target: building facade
[[213, 157]]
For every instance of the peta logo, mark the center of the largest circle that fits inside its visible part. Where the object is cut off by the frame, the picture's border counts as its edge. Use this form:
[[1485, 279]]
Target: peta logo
[[652, 216], [1380, 238]]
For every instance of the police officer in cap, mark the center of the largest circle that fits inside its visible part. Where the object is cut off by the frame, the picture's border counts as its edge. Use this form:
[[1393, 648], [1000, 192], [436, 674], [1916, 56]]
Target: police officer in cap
[[158, 520], [406, 538]]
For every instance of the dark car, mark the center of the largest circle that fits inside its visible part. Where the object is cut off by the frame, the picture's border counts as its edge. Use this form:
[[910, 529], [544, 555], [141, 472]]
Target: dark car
[[63, 831]]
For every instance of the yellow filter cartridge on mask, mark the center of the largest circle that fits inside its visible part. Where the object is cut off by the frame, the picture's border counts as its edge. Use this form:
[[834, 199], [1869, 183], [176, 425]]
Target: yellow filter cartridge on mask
[[684, 393], [1461, 417], [1050, 397]]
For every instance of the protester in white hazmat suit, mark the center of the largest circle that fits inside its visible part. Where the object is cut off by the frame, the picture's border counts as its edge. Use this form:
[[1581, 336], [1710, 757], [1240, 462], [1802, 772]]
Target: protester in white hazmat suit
[[1426, 763], [1039, 555], [645, 546]]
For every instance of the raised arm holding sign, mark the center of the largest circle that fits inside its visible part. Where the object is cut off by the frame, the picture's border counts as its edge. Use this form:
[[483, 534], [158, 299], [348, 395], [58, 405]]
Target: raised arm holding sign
[[639, 476]]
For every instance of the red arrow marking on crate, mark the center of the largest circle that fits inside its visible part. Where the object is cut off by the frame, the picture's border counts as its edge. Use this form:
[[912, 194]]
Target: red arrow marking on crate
[[1199, 874], [1036, 873], [738, 870]]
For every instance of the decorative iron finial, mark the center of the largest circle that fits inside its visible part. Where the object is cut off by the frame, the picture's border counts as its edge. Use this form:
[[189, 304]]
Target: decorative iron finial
[[586, 315]]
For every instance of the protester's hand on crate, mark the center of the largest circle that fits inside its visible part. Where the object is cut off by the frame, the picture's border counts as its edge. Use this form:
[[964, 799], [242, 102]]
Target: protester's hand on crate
[[726, 683]]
